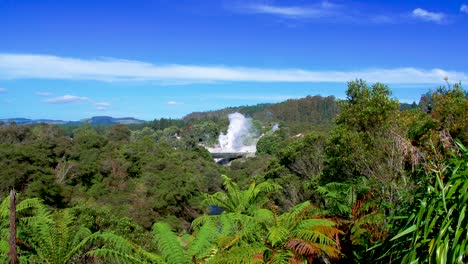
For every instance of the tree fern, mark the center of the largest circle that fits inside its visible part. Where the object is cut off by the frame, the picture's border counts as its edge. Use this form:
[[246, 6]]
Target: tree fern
[[242, 201], [56, 239], [202, 245], [117, 249], [27, 211], [168, 245]]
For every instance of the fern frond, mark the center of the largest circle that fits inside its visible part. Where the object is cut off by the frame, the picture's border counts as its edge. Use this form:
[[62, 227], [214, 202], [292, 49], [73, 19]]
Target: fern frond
[[277, 234], [113, 256], [169, 245], [243, 254], [204, 238]]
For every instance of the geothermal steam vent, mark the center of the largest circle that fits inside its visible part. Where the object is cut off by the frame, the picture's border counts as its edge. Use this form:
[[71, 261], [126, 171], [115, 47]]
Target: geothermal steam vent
[[239, 140]]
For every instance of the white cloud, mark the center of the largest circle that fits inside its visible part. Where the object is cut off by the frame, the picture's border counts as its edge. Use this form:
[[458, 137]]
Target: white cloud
[[174, 103], [21, 66], [464, 9], [3, 90], [66, 99], [425, 15], [101, 105], [44, 94], [323, 9], [284, 11]]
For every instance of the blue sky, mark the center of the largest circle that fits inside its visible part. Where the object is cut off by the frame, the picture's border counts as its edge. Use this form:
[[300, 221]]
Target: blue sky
[[149, 59]]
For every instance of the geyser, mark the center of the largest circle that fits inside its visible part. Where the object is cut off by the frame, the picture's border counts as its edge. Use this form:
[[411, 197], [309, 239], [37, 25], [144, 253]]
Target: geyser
[[239, 132]]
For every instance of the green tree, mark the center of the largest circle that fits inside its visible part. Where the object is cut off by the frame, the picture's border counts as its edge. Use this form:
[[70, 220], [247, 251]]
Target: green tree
[[366, 109], [119, 133], [449, 108]]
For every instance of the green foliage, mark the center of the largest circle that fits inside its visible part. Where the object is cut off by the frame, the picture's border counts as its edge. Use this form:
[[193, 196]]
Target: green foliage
[[244, 171], [311, 112], [26, 211], [299, 235], [449, 108], [370, 141], [168, 244], [436, 229], [339, 198], [116, 249], [366, 108], [246, 201], [98, 219], [86, 137], [271, 143], [13, 134], [119, 132], [379, 161], [247, 230], [56, 237]]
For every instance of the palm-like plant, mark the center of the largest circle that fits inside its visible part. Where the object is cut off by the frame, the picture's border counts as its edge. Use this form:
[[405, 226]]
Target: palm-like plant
[[359, 215], [248, 232], [240, 201], [339, 198], [26, 211], [56, 238], [299, 235], [196, 248]]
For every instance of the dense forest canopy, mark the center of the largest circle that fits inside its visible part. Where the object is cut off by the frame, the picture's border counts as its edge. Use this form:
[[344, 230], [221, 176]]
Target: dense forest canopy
[[360, 180]]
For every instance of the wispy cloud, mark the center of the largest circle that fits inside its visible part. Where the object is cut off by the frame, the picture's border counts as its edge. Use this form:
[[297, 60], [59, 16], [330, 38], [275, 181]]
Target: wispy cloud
[[66, 99], [174, 103], [20, 66], [101, 106], [464, 9], [44, 94], [323, 9], [343, 13], [429, 16], [3, 90]]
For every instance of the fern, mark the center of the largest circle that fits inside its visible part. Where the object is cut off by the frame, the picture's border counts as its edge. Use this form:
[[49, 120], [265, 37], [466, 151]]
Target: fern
[[202, 245], [169, 245]]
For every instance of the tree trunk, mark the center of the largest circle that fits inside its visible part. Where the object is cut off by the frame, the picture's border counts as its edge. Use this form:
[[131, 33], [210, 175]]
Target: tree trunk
[[12, 242]]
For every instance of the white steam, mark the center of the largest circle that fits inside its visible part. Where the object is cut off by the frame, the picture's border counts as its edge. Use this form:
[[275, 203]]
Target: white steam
[[239, 132], [275, 127]]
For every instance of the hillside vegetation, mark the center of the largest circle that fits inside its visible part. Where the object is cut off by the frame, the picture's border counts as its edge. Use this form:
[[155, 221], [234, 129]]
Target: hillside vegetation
[[360, 180]]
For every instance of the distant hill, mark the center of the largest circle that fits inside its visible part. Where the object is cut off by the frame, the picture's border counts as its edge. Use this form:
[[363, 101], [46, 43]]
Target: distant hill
[[107, 120], [95, 120], [311, 110], [26, 121]]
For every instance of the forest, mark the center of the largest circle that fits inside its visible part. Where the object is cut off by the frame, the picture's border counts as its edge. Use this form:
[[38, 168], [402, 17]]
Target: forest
[[366, 179]]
